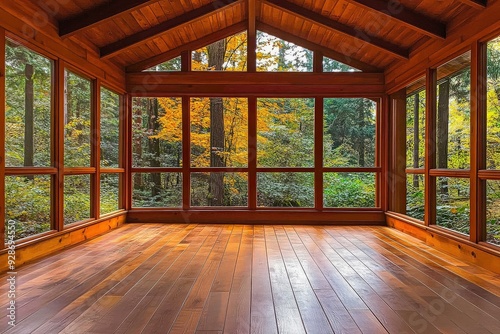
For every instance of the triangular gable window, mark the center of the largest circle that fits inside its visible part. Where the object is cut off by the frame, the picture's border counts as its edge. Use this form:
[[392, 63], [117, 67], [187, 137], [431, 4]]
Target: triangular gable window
[[277, 55], [331, 65], [172, 65], [227, 54]]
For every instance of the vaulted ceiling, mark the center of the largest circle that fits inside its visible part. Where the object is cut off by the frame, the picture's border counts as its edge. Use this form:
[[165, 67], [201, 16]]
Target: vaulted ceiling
[[368, 34]]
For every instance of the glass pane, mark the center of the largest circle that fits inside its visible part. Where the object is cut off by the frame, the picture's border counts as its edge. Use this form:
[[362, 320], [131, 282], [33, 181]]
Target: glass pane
[[28, 92], [349, 127], [219, 132], [157, 132], [27, 205], [171, 65], [349, 190], [228, 54], [331, 65], [219, 189], [110, 128], [152, 190], [77, 116], [285, 190], [415, 191], [110, 193], [415, 130], [76, 198], [453, 114], [453, 204], [277, 55], [285, 132], [493, 212], [493, 105]]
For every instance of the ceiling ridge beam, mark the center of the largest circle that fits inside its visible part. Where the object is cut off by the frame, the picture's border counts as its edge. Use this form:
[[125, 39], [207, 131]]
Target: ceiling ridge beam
[[145, 35], [194, 45], [408, 17], [478, 4], [356, 33], [327, 52], [99, 14]]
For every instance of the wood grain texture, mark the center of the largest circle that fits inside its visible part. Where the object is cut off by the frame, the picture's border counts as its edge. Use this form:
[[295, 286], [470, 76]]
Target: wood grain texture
[[178, 278]]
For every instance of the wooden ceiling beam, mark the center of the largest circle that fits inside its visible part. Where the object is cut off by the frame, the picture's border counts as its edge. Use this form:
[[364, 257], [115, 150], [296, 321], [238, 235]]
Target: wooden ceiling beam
[[479, 4], [99, 14], [145, 35], [406, 16], [327, 52], [356, 33], [194, 45]]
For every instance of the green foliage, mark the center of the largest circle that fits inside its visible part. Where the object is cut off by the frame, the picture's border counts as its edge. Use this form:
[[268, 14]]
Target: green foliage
[[76, 198], [349, 190], [285, 190], [157, 190], [27, 203]]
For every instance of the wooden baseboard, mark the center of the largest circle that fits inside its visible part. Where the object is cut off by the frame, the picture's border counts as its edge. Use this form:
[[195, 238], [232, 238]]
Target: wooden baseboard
[[36, 249], [304, 217], [485, 256]]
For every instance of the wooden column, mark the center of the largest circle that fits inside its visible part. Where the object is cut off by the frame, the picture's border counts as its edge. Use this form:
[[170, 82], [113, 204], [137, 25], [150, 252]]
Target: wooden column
[[58, 126], [397, 149], [186, 61], [318, 152], [430, 146], [126, 148], [95, 153], [251, 36], [317, 62], [382, 154], [186, 153], [252, 153], [2, 138], [478, 91]]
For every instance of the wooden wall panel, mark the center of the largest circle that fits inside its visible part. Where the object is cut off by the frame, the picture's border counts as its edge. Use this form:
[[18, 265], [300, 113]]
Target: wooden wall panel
[[52, 243], [342, 217]]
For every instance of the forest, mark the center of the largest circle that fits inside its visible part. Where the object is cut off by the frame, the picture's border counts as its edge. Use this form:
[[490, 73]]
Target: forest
[[219, 138]]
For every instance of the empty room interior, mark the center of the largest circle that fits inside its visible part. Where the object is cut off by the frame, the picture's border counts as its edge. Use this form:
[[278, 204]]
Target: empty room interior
[[250, 166]]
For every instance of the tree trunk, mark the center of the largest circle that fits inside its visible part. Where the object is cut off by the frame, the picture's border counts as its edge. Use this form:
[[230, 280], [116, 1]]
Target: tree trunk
[[416, 137], [216, 52], [29, 149], [442, 131], [154, 145]]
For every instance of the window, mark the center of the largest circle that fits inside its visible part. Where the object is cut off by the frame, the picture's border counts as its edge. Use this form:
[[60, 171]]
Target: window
[[277, 55], [77, 148], [331, 65], [110, 135], [228, 54], [172, 65], [28, 140], [493, 142], [77, 119], [285, 132], [453, 143], [415, 149], [157, 143]]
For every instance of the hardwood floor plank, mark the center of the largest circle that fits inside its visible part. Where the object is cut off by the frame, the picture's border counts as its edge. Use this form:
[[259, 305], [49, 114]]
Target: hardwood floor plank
[[288, 317], [242, 279], [263, 318]]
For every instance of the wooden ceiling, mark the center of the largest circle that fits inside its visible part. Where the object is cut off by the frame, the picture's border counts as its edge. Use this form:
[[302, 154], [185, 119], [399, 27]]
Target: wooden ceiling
[[368, 34]]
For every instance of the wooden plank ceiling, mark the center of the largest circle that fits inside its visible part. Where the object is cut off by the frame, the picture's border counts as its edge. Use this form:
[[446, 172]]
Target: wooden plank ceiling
[[372, 34]]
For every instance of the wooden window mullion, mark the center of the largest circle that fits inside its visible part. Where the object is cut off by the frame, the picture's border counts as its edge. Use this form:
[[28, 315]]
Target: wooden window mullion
[[430, 146]]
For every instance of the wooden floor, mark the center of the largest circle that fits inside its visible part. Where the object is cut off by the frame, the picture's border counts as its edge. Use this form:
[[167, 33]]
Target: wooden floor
[[146, 278]]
